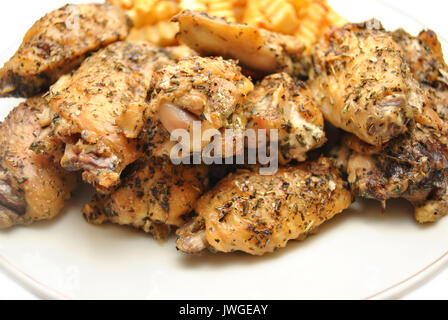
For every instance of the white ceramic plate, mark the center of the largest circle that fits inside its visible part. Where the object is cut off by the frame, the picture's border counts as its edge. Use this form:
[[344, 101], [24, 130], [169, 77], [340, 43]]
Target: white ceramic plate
[[360, 254]]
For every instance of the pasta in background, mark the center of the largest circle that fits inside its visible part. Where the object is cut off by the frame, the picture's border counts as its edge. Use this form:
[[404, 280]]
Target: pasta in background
[[306, 19]]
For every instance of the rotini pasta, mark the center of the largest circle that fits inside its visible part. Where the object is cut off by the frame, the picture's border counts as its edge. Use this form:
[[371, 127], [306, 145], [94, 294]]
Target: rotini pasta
[[306, 19], [221, 8], [193, 5]]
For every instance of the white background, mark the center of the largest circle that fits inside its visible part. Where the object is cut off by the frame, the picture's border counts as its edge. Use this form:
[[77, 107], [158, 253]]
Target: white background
[[431, 12]]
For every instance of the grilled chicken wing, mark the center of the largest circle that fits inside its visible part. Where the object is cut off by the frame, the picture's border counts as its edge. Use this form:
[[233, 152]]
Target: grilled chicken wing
[[99, 110], [154, 197], [363, 83], [415, 165], [32, 186], [256, 49], [434, 207], [425, 57], [260, 214], [279, 102], [58, 43], [410, 167], [210, 90]]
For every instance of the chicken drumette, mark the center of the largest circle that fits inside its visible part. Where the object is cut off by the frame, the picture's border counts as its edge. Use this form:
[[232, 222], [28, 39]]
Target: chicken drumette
[[98, 110], [260, 214], [154, 197], [58, 43], [32, 186]]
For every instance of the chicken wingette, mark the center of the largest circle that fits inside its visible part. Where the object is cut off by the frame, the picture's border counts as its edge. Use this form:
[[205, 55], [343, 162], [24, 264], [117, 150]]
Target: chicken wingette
[[258, 50], [259, 214], [58, 43], [98, 110], [283, 104], [154, 197], [362, 82], [207, 90], [33, 186]]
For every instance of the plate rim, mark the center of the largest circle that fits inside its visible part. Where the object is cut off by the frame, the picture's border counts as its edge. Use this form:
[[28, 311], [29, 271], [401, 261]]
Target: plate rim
[[395, 291], [31, 284]]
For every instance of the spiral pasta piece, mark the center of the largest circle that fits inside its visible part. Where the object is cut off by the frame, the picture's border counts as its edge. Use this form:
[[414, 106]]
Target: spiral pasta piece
[[306, 19]]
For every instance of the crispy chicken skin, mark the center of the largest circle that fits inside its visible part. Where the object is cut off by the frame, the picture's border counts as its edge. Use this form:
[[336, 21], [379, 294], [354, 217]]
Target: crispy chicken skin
[[362, 82], [154, 197], [410, 167], [413, 168], [256, 49], [33, 187], [424, 56], [58, 43], [260, 214], [210, 90], [99, 110], [279, 102]]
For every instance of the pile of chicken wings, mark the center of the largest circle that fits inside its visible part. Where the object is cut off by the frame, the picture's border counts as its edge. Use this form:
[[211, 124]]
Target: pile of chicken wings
[[100, 109]]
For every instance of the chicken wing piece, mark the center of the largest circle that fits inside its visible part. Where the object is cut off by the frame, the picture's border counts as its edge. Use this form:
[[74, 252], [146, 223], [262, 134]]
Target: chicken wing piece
[[260, 214], [418, 160], [154, 197], [256, 49], [425, 57], [210, 90], [364, 85], [58, 43], [433, 208], [413, 167], [32, 186], [278, 102], [99, 110]]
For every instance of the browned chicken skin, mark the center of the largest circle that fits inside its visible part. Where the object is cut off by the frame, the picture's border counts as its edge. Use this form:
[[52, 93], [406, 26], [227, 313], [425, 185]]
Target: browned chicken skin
[[32, 186], [99, 110], [260, 214], [362, 82], [410, 167], [213, 91], [58, 43], [112, 119], [415, 165], [210, 90], [154, 197], [424, 56], [256, 49], [278, 102]]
